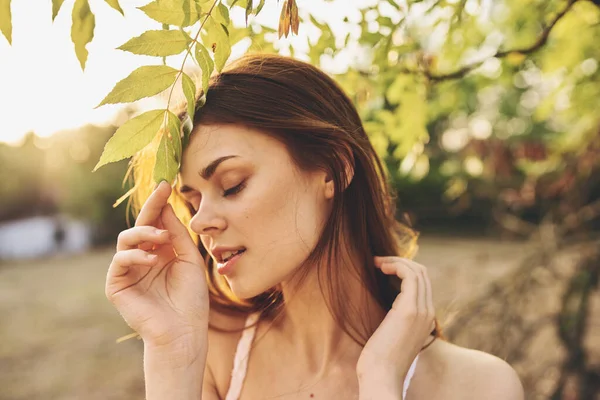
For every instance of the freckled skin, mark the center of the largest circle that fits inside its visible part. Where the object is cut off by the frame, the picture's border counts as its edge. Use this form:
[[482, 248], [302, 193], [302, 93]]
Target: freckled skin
[[277, 216]]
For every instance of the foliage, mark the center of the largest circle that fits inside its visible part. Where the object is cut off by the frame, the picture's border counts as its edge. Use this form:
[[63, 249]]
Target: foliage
[[477, 102], [472, 104], [45, 176], [483, 109], [213, 33]]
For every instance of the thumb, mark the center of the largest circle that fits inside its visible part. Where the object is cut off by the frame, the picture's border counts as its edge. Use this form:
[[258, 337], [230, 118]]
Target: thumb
[[181, 240]]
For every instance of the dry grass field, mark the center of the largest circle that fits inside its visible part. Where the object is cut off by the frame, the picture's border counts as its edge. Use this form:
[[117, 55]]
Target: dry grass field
[[58, 331]]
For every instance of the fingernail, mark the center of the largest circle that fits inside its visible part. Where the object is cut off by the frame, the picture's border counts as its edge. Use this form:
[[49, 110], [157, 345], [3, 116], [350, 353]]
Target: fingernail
[[151, 257], [160, 231]]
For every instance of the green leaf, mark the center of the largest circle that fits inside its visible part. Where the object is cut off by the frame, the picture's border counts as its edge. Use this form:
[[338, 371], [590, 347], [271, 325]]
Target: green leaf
[[189, 90], [5, 20], [56, 4], [174, 129], [82, 30], [218, 40], [318, 24], [260, 7], [173, 12], [243, 3], [187, 127], [144, 82], [395, 5], [165, 27], [248, 10], [131, 137], [206, 65], [221, 14], [159, 43], [167, 165], [115, 4]]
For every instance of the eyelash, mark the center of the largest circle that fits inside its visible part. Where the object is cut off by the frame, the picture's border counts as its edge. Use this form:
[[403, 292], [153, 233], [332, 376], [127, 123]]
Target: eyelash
[[234, 190], [229, 192]]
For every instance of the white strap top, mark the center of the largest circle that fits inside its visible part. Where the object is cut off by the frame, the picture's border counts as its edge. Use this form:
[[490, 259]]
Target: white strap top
[[242, 353]]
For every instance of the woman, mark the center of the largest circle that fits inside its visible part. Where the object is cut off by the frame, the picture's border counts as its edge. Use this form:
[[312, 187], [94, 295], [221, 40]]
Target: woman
[[291, 208]]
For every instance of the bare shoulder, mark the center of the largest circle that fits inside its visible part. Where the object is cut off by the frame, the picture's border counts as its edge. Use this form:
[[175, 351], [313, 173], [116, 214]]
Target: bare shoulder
[[473, 374], [221, 347]]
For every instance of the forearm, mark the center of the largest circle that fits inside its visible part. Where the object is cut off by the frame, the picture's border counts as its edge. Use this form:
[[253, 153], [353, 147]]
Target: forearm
[[378, 386], [374, 391], [174, 372]]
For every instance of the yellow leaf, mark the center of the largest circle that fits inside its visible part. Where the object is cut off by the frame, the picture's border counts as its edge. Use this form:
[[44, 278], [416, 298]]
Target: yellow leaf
[[166, 166], [131, 137], [115, 4], [206, 65], [294, 18], [249, 6], [56, 4], [283, 18], [189, 90], [173, 12], [158, 43], [174, 132], [260, 7], [82, 29], [219, 43], [221, 14], [5, 20], [145, 81]]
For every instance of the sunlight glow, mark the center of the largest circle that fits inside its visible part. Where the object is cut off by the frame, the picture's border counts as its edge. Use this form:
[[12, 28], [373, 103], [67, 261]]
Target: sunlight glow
[[42, 87]]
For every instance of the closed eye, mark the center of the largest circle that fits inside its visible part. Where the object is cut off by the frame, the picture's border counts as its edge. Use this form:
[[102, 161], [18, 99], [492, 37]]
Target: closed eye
[[190, 207], [234, 190]]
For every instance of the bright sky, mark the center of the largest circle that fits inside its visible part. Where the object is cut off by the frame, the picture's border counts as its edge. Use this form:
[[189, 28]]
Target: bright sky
[[42, 87]]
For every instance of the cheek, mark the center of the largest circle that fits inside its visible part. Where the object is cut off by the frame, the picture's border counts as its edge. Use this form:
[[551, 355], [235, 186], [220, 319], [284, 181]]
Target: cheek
[[283, 220]]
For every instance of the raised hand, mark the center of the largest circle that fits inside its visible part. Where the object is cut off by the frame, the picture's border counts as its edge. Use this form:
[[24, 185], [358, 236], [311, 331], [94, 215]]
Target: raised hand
[[157, 277], [391, 349]]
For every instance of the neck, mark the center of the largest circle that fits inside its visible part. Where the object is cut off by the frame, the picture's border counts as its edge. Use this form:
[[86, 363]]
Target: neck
[[311, 331]]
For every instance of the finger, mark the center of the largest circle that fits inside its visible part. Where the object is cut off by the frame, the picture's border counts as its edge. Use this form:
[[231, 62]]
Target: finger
[[140, 236], [423, 293], [182, 242], [154, 204], [409, 289], [125, 259], [429, 307], [390, 259]]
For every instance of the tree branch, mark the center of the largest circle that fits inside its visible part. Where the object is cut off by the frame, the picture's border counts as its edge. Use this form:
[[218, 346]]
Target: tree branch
[[539, 42]]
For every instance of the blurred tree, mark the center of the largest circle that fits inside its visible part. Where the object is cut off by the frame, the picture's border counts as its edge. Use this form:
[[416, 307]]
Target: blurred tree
[[483, 111]]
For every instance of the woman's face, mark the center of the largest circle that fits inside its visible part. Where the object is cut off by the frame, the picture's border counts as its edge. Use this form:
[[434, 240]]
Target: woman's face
[[255, 199]]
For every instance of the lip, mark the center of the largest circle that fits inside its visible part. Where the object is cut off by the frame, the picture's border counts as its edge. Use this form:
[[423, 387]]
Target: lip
[[216, 252], [227, 267]]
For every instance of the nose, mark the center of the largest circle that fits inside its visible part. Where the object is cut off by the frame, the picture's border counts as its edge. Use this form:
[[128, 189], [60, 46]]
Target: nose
[[207, 220]]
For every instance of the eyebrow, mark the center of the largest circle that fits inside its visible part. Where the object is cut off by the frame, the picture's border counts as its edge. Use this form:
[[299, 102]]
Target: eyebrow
[[208, 171]]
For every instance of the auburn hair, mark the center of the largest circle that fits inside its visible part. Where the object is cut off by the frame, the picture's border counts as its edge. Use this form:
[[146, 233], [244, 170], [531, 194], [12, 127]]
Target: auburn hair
[[307, 111]]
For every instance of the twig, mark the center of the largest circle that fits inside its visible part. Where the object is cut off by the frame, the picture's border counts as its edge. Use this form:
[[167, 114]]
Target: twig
[[540, 41]]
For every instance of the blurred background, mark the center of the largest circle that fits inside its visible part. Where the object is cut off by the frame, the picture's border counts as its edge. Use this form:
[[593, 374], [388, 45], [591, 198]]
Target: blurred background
[[485, 113]]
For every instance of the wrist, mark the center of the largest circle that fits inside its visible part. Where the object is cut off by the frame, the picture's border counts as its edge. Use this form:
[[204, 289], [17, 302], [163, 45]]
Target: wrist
[[379, 386], [174, 373], [177, 354]]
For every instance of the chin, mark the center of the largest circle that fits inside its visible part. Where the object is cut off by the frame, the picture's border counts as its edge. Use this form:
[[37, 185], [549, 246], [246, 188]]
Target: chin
[[244, 292]]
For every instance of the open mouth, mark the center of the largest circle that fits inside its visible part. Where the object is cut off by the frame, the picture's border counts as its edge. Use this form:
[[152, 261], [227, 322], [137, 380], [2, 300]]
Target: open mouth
[[228, 255]]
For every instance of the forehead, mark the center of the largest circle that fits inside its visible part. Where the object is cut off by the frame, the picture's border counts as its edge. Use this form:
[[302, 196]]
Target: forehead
[[209, 142]]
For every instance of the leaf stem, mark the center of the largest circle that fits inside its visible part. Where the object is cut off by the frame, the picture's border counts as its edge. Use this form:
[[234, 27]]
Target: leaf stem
[[189, 50]]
